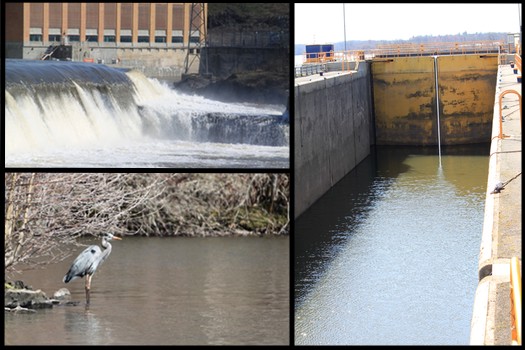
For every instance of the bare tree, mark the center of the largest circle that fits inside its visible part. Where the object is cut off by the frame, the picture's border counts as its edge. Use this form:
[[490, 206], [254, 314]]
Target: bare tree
[[46, 212], [217, 204]]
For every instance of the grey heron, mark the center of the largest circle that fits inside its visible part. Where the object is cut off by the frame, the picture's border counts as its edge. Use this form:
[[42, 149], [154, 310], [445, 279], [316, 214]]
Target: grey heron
[[88, 261]]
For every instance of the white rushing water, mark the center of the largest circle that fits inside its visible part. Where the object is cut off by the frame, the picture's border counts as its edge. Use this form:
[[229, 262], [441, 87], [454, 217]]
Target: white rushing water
[[143, 124]]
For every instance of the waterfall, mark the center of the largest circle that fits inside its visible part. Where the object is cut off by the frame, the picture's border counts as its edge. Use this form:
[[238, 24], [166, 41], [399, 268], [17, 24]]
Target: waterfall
[[63, 105]]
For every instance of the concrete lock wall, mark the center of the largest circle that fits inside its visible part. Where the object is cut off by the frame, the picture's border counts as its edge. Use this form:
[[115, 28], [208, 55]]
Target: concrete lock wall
[[332, 131], [405, 99]]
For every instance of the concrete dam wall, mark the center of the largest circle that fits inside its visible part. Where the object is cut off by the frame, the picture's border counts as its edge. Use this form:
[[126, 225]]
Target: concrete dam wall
[[332, 131]]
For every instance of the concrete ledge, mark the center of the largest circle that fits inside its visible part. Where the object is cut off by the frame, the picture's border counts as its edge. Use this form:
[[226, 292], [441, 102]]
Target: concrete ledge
[[501, 236], [490, 324], [478, 324]]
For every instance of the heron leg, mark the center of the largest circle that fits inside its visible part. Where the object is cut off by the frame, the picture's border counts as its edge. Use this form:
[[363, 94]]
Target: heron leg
[[88, 287]]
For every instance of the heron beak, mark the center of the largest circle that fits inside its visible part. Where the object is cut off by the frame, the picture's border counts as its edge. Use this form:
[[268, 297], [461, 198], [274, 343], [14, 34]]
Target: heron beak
[[117, 238]]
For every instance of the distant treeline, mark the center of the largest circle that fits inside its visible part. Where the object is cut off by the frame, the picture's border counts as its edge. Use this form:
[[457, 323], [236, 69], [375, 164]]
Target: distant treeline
[[372, 44]]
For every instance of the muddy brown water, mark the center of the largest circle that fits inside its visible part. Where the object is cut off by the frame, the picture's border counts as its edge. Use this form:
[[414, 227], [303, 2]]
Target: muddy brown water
[[168, 291]]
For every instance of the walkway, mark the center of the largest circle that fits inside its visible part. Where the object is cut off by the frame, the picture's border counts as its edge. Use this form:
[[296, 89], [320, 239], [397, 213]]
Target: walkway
[[501, 240]]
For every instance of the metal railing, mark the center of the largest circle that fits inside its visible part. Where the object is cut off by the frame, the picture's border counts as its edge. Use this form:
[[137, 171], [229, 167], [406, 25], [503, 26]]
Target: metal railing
[[319, 57], [408, 50], [317, 62], [501, 135], [517, 61], [335, 56], [515, 300], [444, 48], [309, 69], [397, 50], [248, 39]]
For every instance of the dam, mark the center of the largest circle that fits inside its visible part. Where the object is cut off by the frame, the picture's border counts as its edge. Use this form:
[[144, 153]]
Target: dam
[[90, 115], [436, 105]]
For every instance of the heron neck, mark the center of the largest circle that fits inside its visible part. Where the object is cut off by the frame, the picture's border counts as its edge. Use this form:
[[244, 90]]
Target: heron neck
[[106, 244]]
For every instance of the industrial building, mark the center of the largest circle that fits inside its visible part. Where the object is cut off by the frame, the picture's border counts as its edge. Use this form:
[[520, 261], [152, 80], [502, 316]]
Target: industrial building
[[109, 32]]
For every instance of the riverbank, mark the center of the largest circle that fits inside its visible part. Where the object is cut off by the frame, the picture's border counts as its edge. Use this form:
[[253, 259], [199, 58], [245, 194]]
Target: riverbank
[[21, 298], [248, 56], [260, 87]]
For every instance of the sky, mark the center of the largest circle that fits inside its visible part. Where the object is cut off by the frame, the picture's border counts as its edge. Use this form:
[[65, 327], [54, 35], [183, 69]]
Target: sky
[[323, 23]]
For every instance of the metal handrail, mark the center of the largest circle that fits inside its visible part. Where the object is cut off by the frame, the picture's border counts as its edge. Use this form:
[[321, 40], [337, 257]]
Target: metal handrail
[[515, 299], [309, 69], [408, 49], [413, 49], [517, 61], [501, 135], [319, 57]]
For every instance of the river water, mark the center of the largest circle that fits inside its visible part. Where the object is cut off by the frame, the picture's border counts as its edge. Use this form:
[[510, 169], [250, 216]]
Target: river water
[[168, 291], [389, 255]]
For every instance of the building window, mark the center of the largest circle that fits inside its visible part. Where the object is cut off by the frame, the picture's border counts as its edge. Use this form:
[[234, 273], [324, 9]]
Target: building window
[[109, 38], [176, 39], [143, 39], [125, 38], [92, 38], [35, 37], [75, 38], [194, 39], [160, 39], [54, 37]]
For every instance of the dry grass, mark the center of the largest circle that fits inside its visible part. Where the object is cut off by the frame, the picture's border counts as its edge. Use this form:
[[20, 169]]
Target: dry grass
[[216, 204]]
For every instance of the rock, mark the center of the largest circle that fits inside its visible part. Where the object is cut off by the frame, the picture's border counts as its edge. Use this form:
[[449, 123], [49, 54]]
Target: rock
[[62, 294], [21, 285], [72, 303], [260, 87], [19, 309], [26, 298], [190, 83]]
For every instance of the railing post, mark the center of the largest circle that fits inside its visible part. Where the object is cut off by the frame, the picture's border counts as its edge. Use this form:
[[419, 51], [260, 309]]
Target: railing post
[[501, 136]]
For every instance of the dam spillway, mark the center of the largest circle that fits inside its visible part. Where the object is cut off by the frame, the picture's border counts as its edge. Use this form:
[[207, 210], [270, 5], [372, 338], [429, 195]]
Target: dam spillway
[[68, 112]]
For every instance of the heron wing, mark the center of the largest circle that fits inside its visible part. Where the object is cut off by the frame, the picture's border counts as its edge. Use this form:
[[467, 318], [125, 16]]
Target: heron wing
[[85, 264]]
